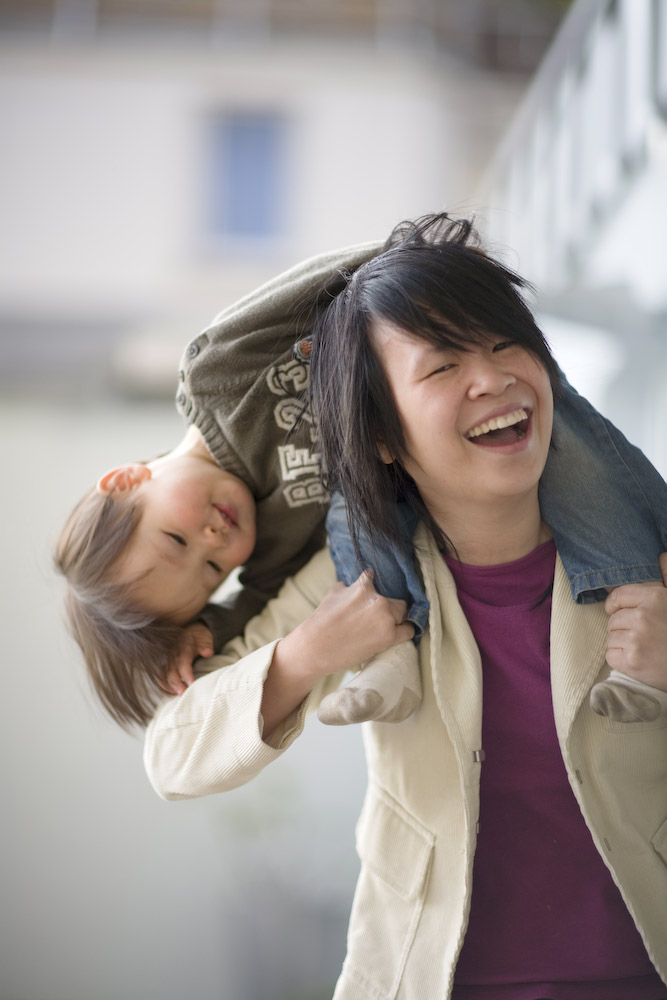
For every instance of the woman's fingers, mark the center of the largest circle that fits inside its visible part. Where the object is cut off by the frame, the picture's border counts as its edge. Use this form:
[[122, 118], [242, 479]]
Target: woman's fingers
[[404, 632], [399, 609], [630, 595], [637, 632]]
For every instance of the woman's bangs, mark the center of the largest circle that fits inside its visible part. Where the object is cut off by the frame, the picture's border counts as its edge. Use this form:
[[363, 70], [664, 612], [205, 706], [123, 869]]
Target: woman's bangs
[[460, 334], [460, 337]]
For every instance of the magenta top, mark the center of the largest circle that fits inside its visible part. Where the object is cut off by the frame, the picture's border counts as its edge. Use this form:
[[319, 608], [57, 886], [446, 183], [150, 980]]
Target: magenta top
[[546, 918]]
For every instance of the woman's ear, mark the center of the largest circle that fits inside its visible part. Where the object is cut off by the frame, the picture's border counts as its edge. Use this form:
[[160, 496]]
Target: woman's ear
[[122, 479], [384, 452]]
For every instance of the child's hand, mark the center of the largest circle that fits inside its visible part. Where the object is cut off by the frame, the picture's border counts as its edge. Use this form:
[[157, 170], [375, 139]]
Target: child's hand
[[197, 641], [637, 640]]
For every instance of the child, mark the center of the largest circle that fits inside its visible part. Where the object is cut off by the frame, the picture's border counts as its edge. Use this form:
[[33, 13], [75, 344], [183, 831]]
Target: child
[[242, 389], [244, 404], [143, 552]]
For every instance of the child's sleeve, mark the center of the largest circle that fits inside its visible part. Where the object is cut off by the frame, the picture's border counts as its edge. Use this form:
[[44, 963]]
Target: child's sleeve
[[605, 503], [242, 383]]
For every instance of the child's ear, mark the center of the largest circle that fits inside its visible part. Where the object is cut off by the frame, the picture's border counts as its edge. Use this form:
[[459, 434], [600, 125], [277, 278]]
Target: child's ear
[[384, 452], [123, 479]]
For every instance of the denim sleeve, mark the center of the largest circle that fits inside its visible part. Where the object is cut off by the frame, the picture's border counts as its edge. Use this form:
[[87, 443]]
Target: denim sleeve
[[605, 503], [395, 571]]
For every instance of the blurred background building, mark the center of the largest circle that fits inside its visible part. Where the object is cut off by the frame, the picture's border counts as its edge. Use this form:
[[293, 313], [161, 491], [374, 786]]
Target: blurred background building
[[160, 159]]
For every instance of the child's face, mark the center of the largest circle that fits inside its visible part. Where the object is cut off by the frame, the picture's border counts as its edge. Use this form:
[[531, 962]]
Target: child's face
[[197, 525]]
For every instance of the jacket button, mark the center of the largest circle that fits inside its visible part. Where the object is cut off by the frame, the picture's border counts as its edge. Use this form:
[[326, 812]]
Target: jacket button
[[192, 351], [180, 399]]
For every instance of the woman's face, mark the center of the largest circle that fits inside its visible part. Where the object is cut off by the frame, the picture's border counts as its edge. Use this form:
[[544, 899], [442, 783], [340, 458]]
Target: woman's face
[[477, 423]]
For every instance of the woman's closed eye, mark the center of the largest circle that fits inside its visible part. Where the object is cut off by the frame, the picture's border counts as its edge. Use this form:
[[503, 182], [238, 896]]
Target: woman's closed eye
[[503, 345], [443, 368]]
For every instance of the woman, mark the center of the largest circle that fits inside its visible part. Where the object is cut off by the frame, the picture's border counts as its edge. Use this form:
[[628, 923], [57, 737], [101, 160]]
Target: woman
[[494, 834]]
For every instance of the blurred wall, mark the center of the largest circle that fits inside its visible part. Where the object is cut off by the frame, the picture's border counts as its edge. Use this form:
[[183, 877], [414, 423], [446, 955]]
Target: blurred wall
[[115, 160]]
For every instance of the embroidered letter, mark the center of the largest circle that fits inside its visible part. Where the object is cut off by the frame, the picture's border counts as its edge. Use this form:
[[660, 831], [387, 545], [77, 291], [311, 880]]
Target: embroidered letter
[[295, 462], [288, 378], [305, 491], [289, 411]]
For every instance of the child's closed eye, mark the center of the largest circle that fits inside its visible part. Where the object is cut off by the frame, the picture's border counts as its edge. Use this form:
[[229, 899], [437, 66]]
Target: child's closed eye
[[214, 565], [176, 537]]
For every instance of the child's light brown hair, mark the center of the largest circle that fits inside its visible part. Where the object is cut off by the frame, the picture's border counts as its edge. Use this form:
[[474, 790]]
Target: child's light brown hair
[[126, 649]]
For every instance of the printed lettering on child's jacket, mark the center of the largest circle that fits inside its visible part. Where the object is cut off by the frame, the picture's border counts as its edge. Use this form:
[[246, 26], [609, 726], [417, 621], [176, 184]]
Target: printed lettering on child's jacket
[[299, 467]]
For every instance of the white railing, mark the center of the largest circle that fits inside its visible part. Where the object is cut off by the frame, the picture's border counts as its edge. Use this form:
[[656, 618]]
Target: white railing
[[592, 122]]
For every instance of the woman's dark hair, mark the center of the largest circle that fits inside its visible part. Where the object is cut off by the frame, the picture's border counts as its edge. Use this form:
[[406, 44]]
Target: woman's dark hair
[[433, 280]]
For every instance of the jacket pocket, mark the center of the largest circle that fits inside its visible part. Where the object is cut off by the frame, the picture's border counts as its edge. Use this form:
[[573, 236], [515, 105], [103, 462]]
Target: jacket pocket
[[395, 851]]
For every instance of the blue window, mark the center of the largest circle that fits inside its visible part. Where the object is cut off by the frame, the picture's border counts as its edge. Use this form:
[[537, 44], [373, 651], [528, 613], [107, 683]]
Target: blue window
[[248, 175]]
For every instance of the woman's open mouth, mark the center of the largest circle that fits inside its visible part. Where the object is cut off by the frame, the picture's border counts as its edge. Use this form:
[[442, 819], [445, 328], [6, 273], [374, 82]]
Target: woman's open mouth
[[506, 429]]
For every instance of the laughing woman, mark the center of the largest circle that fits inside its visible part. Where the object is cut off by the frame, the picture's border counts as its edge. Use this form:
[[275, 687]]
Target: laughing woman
[[513, 846]]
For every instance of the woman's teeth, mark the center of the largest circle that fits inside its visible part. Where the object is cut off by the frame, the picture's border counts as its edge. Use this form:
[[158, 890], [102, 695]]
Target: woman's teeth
[[497, 423]]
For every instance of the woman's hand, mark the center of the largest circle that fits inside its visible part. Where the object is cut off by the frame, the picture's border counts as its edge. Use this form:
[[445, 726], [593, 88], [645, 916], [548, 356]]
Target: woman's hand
[[197, 641], [637, 630], [350, 626]]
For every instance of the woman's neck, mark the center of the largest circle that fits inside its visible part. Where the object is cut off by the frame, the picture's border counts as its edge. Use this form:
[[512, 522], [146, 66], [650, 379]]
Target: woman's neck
[[500, 533]]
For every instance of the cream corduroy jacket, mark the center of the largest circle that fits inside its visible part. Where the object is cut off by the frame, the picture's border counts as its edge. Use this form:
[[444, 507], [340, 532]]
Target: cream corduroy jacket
[[417, 831]]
